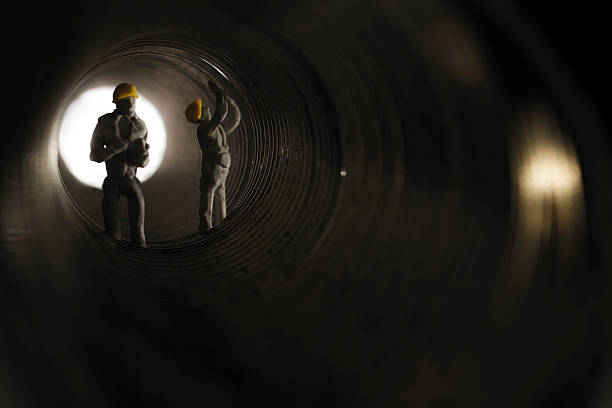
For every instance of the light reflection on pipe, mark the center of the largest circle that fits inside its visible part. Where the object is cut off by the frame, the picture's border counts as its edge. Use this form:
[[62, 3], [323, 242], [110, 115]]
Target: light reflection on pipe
[[548, 195], [550, 170], [215, 68]]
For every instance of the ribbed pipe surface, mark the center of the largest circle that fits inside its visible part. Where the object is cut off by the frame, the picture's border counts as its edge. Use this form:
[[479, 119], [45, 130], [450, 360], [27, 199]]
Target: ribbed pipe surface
[[382, 247]]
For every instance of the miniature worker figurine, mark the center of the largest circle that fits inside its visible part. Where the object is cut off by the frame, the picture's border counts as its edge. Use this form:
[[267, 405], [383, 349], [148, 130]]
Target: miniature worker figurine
[[120, 140], [215, 151]]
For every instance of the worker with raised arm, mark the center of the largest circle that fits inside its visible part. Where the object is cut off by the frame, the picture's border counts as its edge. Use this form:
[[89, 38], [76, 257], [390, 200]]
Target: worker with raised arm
[[212, 136]]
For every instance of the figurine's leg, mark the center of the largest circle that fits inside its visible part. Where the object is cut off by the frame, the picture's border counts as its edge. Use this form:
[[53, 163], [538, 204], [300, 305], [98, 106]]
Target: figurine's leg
[[136, 212], [220, 175], [216, 217], [220, 210], [207, 189], [220, 195], [110, 208], [208, 212]]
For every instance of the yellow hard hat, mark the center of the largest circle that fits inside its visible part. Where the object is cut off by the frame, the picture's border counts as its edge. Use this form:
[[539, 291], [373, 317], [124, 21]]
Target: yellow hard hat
[[193, 113], [124, 90]]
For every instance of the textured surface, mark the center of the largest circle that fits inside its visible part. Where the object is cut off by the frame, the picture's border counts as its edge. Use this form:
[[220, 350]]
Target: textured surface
[[429, 275]]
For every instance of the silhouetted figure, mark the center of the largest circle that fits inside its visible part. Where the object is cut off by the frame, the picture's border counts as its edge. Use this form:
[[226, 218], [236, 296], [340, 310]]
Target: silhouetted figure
[[120, 140], [215, 151]]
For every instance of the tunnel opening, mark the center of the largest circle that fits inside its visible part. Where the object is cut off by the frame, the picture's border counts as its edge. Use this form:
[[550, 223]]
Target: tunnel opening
[[270, 149]]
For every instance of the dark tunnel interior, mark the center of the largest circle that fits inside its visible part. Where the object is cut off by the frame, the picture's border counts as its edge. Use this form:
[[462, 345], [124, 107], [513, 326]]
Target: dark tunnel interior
[[419, 213]]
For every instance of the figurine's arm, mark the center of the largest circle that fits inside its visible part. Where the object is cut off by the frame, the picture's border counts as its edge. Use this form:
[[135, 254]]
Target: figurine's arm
[[101, 152], [231, 126], [145, 150], [138, 130], [217, 117], [138, 153]]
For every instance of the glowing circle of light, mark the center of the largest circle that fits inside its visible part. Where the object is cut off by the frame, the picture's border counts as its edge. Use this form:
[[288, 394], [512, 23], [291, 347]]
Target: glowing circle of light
[[552, 171], [78, 124]]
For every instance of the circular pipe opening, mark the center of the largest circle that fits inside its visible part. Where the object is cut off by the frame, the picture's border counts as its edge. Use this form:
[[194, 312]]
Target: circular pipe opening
[[273, 149]]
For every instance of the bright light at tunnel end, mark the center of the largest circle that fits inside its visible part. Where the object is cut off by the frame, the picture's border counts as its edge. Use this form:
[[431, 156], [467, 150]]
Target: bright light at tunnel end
[[78, 124]]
